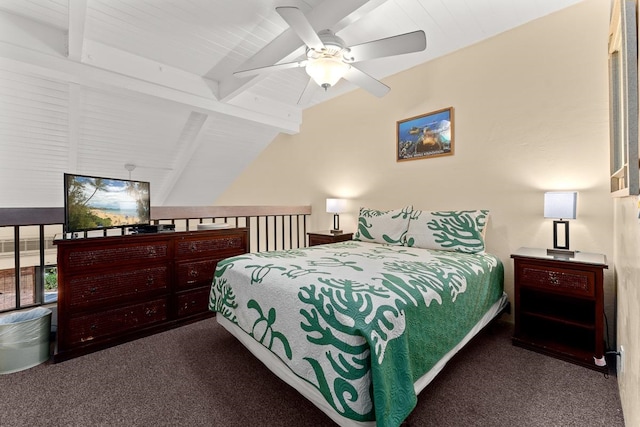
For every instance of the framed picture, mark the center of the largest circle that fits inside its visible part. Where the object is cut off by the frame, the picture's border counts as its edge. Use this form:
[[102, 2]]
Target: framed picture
[[425, 136]]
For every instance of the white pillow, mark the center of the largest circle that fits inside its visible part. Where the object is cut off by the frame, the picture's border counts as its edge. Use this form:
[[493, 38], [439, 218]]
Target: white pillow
[[460, 231], [387, 227]]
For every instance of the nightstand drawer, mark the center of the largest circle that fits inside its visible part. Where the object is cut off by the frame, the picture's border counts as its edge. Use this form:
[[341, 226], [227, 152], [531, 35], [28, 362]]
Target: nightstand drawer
[[326, 237], [563, 280]]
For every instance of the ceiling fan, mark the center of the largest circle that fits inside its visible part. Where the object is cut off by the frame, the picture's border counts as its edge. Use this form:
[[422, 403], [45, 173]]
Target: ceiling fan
[[328, 59]]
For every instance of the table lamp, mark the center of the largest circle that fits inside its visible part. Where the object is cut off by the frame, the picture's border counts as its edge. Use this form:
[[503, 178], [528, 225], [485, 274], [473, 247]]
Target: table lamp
[[561, 206], [336, 206]]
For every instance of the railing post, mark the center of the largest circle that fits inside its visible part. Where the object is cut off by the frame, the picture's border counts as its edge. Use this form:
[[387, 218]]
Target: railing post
[[39, 282], [16, 262]]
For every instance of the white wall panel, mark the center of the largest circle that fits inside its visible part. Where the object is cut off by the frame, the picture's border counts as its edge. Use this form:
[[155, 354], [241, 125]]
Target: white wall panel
[[226, 144], [118, 129], [33, 139]]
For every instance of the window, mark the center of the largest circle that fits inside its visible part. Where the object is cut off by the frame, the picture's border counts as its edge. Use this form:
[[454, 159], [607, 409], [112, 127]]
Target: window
[[623, 96]]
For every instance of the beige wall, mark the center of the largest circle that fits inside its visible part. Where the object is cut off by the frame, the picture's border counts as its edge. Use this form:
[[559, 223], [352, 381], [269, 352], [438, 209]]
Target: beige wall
[[531, 115], [627, 254]]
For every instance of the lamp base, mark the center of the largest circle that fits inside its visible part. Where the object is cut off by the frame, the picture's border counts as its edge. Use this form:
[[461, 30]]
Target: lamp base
[[336, 231], [556, 234], [561, 253]]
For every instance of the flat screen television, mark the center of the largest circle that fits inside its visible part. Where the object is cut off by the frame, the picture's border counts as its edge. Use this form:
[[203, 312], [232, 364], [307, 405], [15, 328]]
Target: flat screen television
[[93, 203]]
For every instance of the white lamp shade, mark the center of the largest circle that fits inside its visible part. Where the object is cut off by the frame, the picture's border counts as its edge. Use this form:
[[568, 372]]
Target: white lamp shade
[[560, 204], [336, 205], [326, 71]]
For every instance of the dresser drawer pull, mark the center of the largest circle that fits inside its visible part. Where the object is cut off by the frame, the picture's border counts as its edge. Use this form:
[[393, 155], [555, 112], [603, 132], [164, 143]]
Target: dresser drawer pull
[[150, 312], [151, 251], [150, 280], [93, 290], [93, 327], [193, 273], [193, 247]]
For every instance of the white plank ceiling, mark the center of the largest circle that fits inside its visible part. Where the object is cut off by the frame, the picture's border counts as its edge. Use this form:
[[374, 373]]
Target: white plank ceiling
[[87, 86]]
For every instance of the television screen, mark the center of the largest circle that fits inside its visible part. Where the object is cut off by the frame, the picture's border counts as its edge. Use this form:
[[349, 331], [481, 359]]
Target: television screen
[[92, 203]]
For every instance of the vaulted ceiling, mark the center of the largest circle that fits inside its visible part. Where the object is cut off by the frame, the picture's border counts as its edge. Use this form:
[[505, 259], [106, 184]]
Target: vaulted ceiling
[[87, 86]]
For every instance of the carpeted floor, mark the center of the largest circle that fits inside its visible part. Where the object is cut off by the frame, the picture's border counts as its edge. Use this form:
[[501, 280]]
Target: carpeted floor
[[199, 375]]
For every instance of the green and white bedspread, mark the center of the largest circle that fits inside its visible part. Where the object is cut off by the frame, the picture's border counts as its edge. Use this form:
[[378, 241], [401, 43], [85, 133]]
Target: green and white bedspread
[[358, 321]]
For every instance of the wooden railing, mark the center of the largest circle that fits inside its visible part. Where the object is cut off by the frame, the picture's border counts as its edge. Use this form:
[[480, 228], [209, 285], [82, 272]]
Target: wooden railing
[[26, 236], [271, 227]]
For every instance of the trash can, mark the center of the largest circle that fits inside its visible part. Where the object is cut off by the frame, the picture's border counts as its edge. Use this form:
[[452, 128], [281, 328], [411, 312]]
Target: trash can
[[24, 339]]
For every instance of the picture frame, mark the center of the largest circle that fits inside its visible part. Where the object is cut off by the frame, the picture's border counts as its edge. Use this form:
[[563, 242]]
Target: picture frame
[[425, 136]]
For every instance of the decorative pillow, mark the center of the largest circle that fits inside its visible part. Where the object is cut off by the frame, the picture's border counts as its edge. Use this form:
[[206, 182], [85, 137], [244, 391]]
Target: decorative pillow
[[383, 226], [460, 231]]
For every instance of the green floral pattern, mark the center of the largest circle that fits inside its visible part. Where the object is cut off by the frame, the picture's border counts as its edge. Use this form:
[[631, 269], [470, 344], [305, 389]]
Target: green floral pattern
[[360, 322], [387, 227], [460, 231]]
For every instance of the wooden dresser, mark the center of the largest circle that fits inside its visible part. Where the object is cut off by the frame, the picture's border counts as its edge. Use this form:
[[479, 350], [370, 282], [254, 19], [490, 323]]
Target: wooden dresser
[[115, 289]]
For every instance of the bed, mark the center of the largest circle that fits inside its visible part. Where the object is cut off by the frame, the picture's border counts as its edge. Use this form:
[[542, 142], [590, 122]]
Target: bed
[[361, 327]]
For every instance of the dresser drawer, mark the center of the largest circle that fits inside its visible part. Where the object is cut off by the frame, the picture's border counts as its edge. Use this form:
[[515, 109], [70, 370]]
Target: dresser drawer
[[103, 324], [114, 256], [553, 279], [193, 302], [90, 290], [222, 245], [196, 273]]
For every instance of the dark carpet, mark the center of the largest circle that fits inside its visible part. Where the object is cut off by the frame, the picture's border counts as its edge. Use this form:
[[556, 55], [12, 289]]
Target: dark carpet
[[199, 375]]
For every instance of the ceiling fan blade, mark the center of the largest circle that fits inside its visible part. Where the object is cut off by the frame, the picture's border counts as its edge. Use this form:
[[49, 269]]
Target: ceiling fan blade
[[308, 92], [334, 14], [301, 26], [269, 68], [366, 82], [396, 45], [338, 14]]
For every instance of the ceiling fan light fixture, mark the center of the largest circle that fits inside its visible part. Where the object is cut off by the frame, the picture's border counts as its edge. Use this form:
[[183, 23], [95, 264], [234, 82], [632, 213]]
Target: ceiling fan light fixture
[[326, 71]]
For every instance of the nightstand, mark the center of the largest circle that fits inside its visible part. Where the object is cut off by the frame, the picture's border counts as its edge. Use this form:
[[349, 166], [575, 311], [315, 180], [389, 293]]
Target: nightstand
[[326, 236], [559, 305]]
